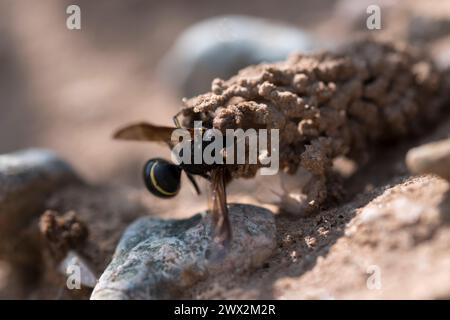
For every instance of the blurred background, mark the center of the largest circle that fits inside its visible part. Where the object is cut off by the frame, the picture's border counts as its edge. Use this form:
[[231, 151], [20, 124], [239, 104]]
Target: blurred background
[[69, 90]]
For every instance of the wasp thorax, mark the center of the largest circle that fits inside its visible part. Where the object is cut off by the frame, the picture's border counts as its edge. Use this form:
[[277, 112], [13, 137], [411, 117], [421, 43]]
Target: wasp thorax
[[162, 178]]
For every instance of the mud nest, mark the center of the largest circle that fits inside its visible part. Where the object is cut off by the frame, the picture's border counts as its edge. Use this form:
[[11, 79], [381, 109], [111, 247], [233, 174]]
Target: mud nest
[[326, 105]]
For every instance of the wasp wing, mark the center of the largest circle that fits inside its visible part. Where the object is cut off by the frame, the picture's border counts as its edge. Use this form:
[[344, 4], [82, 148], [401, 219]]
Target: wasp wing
[[145, 132], [148, 132]]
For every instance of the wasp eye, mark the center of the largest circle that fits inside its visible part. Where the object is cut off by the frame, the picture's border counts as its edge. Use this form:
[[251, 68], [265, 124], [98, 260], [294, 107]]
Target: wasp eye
[[162, 178]]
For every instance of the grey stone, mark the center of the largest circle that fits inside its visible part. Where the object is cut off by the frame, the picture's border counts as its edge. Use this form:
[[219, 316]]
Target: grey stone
[[432, 157], [26, 179], [158, 259], [222, 45]]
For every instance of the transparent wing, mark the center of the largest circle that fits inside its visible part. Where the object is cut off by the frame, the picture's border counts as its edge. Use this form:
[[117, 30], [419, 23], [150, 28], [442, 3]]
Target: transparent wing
[[145, 132]]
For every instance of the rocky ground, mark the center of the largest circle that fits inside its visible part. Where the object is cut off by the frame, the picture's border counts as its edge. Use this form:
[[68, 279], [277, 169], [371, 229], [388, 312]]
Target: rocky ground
[[390, 240]]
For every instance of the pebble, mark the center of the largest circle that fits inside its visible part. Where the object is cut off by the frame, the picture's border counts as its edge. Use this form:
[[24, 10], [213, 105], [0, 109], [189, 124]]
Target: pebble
[[73, 265], [222, 45], [432, 157]]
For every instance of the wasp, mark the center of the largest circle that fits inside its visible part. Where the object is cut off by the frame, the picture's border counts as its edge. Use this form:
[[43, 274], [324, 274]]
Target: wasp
[[162, 178]]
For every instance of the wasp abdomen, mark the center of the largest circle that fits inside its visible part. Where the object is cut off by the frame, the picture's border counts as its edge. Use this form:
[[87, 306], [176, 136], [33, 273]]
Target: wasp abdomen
[[162, 178]]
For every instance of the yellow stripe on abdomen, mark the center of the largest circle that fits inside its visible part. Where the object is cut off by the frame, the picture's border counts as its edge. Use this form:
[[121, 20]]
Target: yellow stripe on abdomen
[[155, 183]]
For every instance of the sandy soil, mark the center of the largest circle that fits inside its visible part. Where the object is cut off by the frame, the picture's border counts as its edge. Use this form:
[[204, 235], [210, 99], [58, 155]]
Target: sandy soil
[[391, 221]]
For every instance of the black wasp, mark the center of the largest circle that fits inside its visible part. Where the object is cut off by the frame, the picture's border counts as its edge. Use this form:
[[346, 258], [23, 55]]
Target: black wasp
[[162, 178]]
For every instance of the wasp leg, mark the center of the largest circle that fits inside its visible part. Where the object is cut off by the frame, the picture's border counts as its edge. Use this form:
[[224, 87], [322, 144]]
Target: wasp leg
[[220, 209], [194, 183]]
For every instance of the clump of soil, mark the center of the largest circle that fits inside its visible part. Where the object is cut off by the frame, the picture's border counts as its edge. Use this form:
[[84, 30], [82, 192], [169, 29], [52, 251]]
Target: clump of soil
[[62, 232], [95, 219], [104, 211], [326, 105]]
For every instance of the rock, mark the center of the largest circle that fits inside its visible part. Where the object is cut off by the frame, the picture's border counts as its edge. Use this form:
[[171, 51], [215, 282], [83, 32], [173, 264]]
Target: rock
[[221, 46], [391, 242], [440, 50], [426, 27], [158, 259], [26, 179], [430, 158]]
